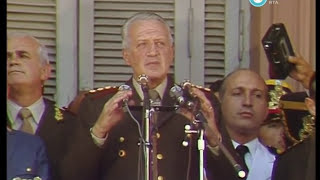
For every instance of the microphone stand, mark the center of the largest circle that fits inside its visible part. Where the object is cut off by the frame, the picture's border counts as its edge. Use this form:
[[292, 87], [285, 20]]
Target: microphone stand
[[146, 122], [201, 146], [202, 125], [199, 120]]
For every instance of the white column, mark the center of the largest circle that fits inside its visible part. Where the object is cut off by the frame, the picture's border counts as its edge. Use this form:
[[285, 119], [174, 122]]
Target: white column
[[66, 58], [182, 50], [86, 44], [232, 35], [197, 39]]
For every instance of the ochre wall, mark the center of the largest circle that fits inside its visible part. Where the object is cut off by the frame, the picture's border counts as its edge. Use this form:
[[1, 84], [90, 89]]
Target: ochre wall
[[299, 19]]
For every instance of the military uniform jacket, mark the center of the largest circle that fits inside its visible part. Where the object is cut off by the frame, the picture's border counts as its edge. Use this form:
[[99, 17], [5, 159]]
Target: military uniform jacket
[[298, 162], [26, 156], [118, 159], [55, 129]]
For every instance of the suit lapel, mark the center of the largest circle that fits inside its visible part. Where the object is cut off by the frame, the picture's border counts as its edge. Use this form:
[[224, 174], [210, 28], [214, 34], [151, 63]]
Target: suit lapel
[[45, 121]]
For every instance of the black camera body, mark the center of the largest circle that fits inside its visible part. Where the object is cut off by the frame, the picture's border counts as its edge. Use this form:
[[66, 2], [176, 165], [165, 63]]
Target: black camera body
[[277, 46]]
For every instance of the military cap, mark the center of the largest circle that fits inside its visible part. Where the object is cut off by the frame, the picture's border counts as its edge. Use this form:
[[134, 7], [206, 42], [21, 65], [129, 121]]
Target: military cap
[[276, 89], [298, 120]]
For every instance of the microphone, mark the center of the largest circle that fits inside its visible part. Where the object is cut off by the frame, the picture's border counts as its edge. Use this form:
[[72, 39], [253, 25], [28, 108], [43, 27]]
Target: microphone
[[177, 93], [186, 84], [124, 87], [180, 95], [143, 81]]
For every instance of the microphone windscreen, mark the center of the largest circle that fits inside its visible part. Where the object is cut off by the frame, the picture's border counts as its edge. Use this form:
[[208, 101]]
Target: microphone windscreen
[[124, 87], [143, 79]]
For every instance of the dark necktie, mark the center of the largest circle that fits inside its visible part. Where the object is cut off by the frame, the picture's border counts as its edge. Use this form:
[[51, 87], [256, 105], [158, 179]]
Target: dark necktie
[[26, 117], [242, 150]]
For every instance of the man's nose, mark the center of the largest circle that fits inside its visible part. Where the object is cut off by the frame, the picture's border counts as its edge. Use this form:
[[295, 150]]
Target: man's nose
[[247, 100], [153, 50], [12, 58]]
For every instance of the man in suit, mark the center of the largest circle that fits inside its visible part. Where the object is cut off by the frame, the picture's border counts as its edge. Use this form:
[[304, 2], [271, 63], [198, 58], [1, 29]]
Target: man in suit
[[26, 156], [300, 160], [28, 68], [244, 107], [107, 146]]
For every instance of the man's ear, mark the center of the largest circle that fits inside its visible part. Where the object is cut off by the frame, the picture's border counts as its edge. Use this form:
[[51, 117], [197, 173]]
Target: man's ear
[[45, 72], [310, 105], [125, 56]]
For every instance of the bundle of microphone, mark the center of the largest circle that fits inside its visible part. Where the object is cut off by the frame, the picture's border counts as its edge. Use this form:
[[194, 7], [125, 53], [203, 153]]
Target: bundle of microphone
[[182, 95], [184, 99]]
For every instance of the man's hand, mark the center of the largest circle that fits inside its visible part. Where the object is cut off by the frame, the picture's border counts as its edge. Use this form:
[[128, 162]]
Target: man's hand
[[302, 71], [211, 131], [111, 114]]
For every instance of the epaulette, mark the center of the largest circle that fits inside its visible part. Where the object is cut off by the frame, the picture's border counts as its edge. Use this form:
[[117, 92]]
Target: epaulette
[[203, 88], [289, 148], [99, 92], [199, 87]]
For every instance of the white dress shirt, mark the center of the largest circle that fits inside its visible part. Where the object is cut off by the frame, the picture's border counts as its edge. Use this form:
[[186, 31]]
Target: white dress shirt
[[37, 109], [259, 160]]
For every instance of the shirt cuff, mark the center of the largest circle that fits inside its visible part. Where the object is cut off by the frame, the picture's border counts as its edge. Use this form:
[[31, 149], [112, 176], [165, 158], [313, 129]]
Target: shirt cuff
[[98, 141]]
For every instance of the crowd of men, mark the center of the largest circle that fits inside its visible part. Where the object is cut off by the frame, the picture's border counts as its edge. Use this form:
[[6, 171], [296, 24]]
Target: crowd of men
[[135, 132]]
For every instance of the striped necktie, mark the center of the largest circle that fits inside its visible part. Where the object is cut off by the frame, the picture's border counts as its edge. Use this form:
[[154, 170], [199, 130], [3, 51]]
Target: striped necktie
[[155, 97], [26, 117], [155, 101]]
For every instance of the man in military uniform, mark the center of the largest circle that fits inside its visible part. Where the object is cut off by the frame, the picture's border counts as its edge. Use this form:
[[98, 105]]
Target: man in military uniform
[[107, 146], [27, 69], [298, 162]]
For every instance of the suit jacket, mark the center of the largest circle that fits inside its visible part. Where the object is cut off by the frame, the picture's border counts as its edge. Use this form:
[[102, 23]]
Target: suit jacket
[[219, 167], [298, 162], [118, 159], [26, 156], [55, 129]]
